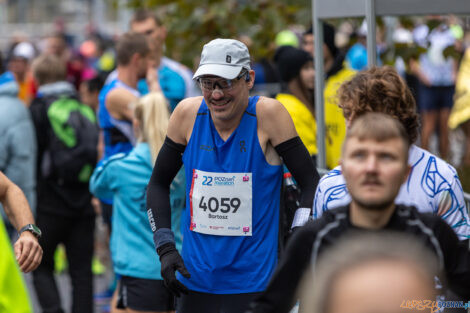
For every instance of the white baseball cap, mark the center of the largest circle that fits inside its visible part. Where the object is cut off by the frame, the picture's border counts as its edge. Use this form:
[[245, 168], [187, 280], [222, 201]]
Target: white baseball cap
[[224, 58], [24, 50]]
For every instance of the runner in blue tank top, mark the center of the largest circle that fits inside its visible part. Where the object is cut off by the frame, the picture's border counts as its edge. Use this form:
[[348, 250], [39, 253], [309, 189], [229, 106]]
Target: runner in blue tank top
[[117, 97], [232, 147]]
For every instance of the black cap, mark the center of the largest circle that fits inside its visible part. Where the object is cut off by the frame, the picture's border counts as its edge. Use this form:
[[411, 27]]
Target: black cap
[[289, 61], [328, 37]]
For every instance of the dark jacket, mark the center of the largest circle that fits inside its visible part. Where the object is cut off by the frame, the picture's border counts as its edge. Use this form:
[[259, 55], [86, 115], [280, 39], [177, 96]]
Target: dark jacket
[[279, 296], [53, 196]]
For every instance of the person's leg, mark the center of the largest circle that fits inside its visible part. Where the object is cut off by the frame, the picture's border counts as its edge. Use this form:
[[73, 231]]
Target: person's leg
[[428, 109], [79, 247], [114, 301], [445, 104], [43, 277], [444, 133], [428, 125]]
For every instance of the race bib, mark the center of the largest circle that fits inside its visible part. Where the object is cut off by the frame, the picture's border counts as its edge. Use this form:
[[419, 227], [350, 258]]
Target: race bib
[[221, 203]]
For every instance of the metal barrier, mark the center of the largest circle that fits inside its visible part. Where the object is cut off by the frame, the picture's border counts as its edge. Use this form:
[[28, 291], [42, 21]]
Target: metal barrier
[[467, 200]]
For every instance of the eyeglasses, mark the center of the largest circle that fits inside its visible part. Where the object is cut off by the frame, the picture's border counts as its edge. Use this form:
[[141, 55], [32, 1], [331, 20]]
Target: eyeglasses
[[208, 84]]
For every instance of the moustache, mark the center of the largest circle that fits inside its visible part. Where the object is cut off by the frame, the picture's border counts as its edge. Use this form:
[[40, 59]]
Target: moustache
[[371, 181]]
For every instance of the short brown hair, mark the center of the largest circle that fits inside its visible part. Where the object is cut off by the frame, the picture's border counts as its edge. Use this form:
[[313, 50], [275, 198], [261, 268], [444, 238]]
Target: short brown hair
[[379, 127], [130, 44], [143, 14], [380, 89], [49, 68]]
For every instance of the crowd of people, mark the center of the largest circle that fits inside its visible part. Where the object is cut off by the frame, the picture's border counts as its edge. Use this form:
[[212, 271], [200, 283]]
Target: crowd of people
[[189, 181]]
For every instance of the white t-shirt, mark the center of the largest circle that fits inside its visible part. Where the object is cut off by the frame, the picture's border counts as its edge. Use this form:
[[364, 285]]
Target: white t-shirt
[[433, 187]]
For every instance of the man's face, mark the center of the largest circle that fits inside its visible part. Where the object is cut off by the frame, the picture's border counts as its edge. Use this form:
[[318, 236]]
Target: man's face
[[379, 287], [155, 34], [374, 171], [18, 66], [56, 46], [307, 43], [226, 103]]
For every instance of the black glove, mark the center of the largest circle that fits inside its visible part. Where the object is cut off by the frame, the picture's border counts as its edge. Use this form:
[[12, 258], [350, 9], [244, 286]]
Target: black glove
[[171, 261]]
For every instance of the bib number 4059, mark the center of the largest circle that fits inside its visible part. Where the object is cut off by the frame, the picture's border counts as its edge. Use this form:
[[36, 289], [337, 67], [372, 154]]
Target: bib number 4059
[[224, 204]]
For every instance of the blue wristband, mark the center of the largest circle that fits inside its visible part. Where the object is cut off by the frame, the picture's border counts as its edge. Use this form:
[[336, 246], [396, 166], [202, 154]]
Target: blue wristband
[[163, 236]]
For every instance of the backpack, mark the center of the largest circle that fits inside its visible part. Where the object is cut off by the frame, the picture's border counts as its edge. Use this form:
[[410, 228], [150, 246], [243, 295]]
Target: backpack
[[71, 153]]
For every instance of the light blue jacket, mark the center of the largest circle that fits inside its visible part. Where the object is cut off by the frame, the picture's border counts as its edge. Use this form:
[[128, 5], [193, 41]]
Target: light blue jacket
[[17, 139], [124, 179]]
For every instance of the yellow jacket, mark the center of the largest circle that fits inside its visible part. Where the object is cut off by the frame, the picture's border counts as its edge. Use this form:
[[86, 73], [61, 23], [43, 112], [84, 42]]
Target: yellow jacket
[[304, 121], [334, 119], [461, 110], [13, 294]]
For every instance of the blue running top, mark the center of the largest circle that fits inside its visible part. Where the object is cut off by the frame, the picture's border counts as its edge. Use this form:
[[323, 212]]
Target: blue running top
[[222, 256], [118, 134]]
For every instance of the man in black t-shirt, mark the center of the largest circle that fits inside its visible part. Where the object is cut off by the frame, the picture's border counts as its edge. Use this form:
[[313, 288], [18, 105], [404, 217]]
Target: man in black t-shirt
[[374, 164]]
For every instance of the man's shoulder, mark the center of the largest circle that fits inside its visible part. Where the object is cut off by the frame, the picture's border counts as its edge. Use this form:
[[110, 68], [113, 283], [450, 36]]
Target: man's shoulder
[[188, 105], [113, 163], [269, 108], [333, 177], [267, 104], [413, 215], [425, 162], [186, 110], [330, 217], [121, 94], [11, 110]]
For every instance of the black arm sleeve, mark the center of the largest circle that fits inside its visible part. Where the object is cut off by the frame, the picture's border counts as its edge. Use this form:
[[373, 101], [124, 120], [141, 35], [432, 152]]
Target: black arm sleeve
[[280, 294], [167, 165], [295, 156]]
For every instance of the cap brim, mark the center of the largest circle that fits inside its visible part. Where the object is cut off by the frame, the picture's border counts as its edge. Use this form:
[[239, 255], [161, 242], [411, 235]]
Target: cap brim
[[225, 71]]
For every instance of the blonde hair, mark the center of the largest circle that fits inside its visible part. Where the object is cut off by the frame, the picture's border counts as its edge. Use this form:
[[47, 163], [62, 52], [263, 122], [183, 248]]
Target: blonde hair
[[358, 250], [48, 68], [151, 111]]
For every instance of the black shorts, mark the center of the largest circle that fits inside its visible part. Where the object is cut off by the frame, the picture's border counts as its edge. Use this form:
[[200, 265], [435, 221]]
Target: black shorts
[[144, 295], [199, 302]]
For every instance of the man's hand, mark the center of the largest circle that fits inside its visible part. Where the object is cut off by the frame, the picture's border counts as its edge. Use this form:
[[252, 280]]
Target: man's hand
[[152, 79], [28, 252], [171, 261]]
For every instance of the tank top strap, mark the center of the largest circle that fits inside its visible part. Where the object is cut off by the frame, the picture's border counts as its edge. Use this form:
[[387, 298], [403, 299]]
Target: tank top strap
[[251, 109], [203, 107]]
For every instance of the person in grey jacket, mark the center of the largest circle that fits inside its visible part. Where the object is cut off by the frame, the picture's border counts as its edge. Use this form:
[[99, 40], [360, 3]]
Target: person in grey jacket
[[17, 141]]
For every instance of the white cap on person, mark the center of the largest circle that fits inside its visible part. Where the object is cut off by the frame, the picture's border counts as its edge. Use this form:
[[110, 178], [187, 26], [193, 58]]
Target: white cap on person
[[224, 58], [24, 50]]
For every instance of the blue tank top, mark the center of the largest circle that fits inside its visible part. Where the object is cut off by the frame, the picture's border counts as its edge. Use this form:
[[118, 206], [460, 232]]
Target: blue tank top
[[118, 134], [231, 264]]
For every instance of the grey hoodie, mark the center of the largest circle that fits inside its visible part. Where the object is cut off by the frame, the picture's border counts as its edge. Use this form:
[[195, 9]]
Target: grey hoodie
[[17, 139]]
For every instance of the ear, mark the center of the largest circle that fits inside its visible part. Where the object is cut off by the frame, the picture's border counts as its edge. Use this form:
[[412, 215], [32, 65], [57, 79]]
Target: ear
[[163, 32], [135, 58], [251, 82]]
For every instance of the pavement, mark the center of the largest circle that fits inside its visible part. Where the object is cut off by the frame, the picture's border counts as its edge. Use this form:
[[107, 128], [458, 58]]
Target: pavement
[[65, 289], [100, 282]]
